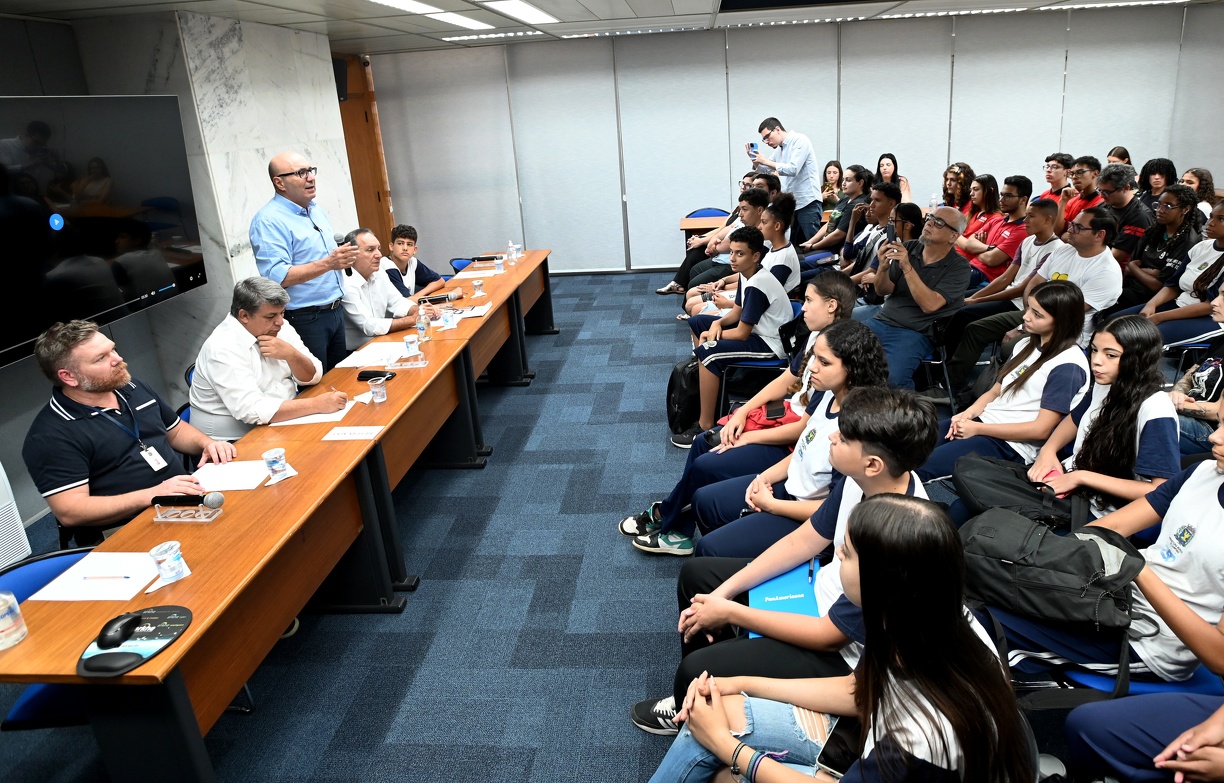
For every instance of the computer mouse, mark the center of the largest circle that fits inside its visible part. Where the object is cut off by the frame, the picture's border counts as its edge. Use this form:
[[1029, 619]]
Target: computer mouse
[[117, 630]]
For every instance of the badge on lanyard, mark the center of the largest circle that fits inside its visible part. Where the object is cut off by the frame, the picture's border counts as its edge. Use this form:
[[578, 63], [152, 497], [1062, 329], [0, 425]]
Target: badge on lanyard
[[148, 453], [153, 457]]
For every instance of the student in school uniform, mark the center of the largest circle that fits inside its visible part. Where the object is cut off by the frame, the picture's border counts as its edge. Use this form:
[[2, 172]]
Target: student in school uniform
[[748, 331], [409, 276]]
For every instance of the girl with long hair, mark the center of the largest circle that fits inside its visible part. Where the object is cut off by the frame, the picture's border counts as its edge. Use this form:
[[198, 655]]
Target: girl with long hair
[[1156, 175], [1045, 379], [1118, 155], [742, 517], [956, 181], [1181, 310], [1124, 432], [830, 189], [886, 171], [931, 696], [1203, 185], [740, 448], [983, 213], [844, 356]]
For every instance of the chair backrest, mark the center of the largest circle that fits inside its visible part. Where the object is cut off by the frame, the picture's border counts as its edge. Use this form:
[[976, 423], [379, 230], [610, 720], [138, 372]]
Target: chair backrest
[[708, 212], [796, 309], [459, 264], [26, 577]]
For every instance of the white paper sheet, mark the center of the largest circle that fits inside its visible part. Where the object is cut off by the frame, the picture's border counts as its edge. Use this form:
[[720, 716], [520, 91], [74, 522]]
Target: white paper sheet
[[317, 418], [374, 355], [353, 433], [476, 274], [474, 312], [240, 474], [102, 576]]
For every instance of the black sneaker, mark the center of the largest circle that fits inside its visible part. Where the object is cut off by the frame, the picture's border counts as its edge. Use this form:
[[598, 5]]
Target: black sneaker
[[641, 524], [656, 716], [685, 439]]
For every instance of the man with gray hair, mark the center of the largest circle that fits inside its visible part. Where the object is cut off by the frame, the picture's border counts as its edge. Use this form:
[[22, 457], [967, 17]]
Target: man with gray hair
[[250, 367], [924, 280], [1117, 186]]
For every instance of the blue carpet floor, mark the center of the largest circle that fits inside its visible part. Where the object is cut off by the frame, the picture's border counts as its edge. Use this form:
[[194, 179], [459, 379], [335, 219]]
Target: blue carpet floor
[[536, 625]]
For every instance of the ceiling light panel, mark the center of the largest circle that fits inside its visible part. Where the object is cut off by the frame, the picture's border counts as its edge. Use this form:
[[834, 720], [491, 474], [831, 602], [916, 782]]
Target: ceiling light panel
[[410, 6], [524, 12], [459, 20]]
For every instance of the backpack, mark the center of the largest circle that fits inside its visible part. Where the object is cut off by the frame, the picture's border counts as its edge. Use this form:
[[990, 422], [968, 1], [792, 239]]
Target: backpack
[[1022, 566], [683, 400], [985, 483]]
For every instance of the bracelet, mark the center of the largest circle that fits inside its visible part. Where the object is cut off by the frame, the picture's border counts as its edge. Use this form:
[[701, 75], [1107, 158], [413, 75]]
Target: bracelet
[[735, 770], [752, 764]]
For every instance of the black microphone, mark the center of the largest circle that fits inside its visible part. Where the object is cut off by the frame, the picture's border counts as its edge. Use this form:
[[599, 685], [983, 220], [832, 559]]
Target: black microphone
[[348, 270], [211, 500]]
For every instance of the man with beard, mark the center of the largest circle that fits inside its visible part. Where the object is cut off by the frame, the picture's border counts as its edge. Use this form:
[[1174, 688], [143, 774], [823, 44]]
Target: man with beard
[[105, 445]]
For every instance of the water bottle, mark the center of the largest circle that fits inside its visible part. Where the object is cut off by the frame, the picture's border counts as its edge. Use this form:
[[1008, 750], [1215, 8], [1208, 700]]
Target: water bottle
[[936, 201], [422, 324], [510, 251]]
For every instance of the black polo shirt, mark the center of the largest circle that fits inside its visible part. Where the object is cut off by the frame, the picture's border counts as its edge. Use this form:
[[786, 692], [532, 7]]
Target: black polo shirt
[[948, 277], [70, 445], [1133, 222]]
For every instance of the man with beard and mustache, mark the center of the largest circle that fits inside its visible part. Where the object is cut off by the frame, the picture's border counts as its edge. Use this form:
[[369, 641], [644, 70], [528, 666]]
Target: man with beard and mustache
[[106, 444]]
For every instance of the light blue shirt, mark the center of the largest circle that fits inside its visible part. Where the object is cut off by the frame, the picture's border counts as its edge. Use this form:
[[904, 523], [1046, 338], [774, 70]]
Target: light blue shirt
[[283, 235], [797, 169]]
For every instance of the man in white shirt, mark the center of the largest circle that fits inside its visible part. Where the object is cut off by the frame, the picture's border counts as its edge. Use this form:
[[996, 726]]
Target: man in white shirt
[[250, 367], [372, 305], [797, 168]]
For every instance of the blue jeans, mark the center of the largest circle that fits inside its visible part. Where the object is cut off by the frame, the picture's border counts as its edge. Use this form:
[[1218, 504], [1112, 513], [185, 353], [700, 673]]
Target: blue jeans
[[769, 726], [1180, 329], [905, 350], [807, 222], [1192, 435], [322, 332]]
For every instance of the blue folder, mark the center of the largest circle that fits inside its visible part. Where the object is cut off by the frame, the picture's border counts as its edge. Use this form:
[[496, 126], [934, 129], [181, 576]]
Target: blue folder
[[789, 592]]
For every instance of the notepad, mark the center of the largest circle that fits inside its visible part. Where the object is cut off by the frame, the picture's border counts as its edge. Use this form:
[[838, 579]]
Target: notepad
[[353, 433], [317, 418], [101, 576], [229, 476], [789, 592]]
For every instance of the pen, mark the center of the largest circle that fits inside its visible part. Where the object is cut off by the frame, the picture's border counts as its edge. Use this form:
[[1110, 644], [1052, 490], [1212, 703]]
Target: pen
[[811, 569], [106, 577]]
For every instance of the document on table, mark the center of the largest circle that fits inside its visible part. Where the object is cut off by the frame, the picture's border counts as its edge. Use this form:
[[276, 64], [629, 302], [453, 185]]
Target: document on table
[[374, 355], [473, 312], [242, 474], [476, 274], [318, 418], [102, 576], [353, 433]]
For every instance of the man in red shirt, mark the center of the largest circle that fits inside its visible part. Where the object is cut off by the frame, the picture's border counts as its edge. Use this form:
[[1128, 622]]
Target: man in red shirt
[[993, 249], [1056, 166], [1084, 172]]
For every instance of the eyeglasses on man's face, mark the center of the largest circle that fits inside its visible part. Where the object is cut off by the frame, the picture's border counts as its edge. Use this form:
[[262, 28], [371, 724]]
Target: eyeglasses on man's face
[[938, 222], [310, 171], [1077, 228], [1078, 172]]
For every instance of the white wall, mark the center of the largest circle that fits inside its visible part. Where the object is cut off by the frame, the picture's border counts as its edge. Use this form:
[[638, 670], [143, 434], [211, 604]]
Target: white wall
[[999, 91]]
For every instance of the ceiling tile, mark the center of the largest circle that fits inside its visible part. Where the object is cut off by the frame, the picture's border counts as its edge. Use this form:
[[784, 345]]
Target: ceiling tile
[[681, 7], [342, 28], [406, 23], [387, 44], [609, 9], [566, 10]]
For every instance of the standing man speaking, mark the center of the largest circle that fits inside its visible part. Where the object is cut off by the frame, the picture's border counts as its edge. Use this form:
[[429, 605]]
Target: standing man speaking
[[797, 170], [295, 247]]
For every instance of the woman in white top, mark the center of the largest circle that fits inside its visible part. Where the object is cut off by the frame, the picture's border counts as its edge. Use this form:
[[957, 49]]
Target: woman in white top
[[1044, 381], [886, 171], [929, 687], [1125, 431]]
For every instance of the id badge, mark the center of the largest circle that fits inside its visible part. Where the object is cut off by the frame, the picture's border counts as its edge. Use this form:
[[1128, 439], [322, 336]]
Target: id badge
[[152, 457]]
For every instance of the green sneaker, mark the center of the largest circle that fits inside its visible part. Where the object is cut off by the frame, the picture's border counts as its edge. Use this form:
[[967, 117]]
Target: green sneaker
[[665, 544], [642, 524]]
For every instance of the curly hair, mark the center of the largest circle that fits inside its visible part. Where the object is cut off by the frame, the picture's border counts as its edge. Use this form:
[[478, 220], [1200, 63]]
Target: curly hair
[[1162, 166], [1206, 187], [860, 352], [964, 175], [1111, 441]]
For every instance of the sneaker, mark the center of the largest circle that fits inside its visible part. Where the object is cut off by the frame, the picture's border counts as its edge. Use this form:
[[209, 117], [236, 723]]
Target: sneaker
[[657, 716], [936, 393], [685, 439], [664, 544], [671, 288], [640, 524]]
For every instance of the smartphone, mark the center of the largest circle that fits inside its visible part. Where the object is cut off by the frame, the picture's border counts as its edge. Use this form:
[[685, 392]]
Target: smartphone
[[752, 148], [891, 232], [841, 749], [368, 375], [775, 410]]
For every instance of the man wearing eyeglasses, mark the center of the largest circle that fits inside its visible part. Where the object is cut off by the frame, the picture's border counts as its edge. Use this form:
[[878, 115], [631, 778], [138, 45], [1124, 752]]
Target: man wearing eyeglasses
[[294, 246], [1117, 187], [923, 281], [796, 167], [1083, 191], [1056, 166]]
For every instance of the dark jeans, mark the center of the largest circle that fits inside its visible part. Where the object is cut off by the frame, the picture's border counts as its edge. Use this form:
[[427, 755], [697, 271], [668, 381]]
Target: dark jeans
[[322, 332], [975, 338], [967, 315], [905, 349], [694, 256], [807, 222], [704, 468], [709, 271]]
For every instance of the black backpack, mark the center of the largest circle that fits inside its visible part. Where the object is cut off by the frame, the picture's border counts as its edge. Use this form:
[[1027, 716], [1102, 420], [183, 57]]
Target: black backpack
[[985, 483], [683, 397]]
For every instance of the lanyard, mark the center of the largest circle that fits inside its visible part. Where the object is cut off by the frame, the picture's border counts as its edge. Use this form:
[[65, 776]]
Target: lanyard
[[134, 433]]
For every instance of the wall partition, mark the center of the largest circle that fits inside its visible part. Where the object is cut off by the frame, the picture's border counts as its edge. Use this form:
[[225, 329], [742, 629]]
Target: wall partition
[[597, 147]]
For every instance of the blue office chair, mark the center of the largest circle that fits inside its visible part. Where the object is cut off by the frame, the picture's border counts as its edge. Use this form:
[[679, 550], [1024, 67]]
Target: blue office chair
[[1202, 682], [708, 212], [756, 366], [459, 264], [43, 705]]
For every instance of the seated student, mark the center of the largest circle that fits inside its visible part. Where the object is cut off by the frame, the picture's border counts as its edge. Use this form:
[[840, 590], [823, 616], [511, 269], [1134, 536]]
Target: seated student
[[1141, 738], [883, 435], [1203, 184], [1083, 193], [1196, 396], [405, 271], [1178, 602], [1056, 166], [830, 191], [782, 496], [956, 181], [94, 475], [1156, 175], [886, 171], [741, 450], [1124, 432], [1161, 249], [832, 234], [991, 250], [1182, 309], [700, 246], [983, 210], [767, 182], [372, 306], [923, 282], [873, 217], [705, 276], [748, 331], [929, 689], [1045, 379], [1117, 187], [1005, 294], [250, 367]]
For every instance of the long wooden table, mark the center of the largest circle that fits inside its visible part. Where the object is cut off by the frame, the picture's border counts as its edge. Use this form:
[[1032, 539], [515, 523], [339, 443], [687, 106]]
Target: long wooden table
[[328, 533]]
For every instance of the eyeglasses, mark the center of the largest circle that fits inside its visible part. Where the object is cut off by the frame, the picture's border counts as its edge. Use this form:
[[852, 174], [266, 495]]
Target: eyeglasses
[[1160, 206], [1008, 195], [1076, 228], [1078, 172], [303, 173], [1106, 193], [1054, 166], [938, 222], [765, 136]]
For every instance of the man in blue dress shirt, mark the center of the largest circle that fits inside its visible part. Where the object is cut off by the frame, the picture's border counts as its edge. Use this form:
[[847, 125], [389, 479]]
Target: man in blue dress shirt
[[294, 246]]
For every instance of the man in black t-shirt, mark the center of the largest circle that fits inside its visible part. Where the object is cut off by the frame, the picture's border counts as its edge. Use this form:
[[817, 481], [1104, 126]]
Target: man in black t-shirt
[[1117, 186], [832, 234]]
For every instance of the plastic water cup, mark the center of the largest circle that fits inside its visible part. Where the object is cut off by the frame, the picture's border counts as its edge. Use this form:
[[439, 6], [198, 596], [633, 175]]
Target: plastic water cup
[[412, 344], [12, 624], [169, 559], [274, 461], [378, 389], [478, 288], [499, 264]]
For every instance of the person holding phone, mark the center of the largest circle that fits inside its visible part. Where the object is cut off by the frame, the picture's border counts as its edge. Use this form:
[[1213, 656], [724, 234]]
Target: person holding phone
[[796, 167]]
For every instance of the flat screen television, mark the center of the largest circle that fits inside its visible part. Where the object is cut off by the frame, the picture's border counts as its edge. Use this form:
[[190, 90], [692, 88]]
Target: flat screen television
[[96, 211]]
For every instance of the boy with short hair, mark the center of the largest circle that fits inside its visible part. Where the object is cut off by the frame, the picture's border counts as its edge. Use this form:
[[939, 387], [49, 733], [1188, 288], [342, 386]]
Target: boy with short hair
[[749, 330], [704, 275], [885, 434], [412, 278]]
